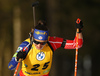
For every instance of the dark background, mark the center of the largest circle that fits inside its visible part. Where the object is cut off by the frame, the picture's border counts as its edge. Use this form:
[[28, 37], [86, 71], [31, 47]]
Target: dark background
[[16, 21]]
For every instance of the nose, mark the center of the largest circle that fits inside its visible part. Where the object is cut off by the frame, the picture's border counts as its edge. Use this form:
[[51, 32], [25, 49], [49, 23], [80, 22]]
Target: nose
[[39, 45]]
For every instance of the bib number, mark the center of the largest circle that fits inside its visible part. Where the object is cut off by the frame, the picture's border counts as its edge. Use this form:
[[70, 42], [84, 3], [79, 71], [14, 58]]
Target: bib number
[[35, 67]]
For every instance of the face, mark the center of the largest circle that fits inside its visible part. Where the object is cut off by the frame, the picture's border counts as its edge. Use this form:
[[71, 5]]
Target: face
[[39, 43]]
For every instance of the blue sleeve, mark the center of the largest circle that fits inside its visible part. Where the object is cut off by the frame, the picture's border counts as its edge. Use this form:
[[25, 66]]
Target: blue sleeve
[[13, 63]]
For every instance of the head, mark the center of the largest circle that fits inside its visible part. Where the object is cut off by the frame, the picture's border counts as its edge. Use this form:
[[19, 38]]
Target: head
[[40, 35]]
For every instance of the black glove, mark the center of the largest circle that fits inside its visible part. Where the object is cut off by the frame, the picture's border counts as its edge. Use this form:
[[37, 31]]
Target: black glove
[[79, 25], [21, 55]]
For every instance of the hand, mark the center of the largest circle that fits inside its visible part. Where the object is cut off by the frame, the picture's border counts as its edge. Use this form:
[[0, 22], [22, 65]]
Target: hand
[[79, 24], [21, 55]]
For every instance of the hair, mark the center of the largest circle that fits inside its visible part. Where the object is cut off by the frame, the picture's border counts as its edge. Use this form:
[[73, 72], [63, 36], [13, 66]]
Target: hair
[[41, 25]]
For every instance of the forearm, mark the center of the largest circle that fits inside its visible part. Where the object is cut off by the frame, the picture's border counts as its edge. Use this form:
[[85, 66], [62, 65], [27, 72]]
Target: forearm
[[12, 64], [71, 44], [80, 36]]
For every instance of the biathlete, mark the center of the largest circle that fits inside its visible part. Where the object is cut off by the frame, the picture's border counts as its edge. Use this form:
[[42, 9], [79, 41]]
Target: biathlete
[[37, 59]]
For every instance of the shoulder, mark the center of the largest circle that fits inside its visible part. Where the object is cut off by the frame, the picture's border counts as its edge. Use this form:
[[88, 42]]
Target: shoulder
[[51, 38], [55, 39], [55, 42], [27, 40], [24, 43]]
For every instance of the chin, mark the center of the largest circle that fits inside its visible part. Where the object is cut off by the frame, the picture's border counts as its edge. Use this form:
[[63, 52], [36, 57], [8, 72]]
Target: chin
[[38, 48]]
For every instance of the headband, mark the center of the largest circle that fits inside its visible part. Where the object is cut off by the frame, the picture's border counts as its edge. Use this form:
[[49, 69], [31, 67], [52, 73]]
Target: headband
[[40, 34]]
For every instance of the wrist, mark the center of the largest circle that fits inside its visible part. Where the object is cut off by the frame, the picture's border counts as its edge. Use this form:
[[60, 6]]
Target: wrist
[[16, 59], [80, 30]]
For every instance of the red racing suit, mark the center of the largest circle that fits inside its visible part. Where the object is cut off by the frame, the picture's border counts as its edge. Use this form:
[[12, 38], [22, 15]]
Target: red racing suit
[[57, 42]]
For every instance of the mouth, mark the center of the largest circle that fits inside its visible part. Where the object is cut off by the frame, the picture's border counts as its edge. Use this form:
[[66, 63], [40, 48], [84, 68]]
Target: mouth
[[38, 47]]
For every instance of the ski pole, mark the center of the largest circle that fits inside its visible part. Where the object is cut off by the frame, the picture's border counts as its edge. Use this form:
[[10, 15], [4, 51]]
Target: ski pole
[[76, 54], [24, 49], [16, 68]]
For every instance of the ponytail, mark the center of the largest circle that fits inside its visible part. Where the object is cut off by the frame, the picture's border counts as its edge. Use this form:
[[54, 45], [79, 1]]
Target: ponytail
[[41, 25]]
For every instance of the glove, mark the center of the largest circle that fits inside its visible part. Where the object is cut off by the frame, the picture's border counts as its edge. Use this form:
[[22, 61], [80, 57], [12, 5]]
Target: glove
[[21, 55], [79, 25]]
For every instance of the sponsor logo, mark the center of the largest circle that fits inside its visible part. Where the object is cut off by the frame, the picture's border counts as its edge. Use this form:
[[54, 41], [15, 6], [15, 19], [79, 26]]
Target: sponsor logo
[[40, 37], [46, 71], [42, 33], [26, 65], [32, 73], [40, 56], [19, 48], [10, 66]]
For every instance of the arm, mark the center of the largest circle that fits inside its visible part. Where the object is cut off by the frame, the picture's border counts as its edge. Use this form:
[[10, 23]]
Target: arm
[[79, 26], [57, 42], [71, 44], [13, 63]]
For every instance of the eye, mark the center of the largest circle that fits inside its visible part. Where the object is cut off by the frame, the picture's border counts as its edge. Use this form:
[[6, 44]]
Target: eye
[[37, 42], [41, 43]]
